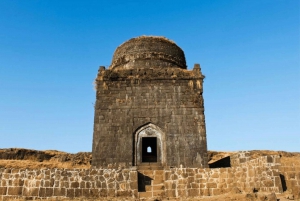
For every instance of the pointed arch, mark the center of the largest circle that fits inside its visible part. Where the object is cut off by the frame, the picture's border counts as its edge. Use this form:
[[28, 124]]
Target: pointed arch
[[145, 131]]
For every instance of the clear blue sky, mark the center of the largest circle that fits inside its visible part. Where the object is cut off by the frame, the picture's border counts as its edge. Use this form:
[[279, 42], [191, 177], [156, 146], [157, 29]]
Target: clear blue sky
[[249, 51]]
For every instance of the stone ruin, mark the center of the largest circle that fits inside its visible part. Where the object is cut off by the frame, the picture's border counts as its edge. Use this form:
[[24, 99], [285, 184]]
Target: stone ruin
[[150, 139], [149, 108]]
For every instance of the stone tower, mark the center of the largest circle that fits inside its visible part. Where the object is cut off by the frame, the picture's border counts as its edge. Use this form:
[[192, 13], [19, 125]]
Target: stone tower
[[149, 108]]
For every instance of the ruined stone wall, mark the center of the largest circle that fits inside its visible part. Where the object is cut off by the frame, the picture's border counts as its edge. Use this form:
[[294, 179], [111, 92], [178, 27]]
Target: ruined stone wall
[[290, 173], [61, 183], [168, 98], [261, 174], [239, 158]]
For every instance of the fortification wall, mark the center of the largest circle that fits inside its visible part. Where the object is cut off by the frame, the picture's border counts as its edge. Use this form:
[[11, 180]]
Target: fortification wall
[[290, 173], [36, 184], [261, 174]]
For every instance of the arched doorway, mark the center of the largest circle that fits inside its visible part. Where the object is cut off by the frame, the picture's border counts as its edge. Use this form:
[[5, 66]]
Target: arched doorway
[[149, 145]]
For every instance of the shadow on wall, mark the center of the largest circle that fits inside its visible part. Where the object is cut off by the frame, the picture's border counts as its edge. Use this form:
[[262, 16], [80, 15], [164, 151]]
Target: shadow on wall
[[222, 163], [282, 178], [143, 180]]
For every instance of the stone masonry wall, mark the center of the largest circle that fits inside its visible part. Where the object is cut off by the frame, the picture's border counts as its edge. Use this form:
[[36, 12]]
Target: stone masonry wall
[[291, 175], [61, 183], [261, 174], [239, 158], [170, 99]]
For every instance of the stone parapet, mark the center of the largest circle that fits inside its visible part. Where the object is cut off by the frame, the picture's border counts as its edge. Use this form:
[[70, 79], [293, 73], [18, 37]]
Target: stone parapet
[[62, 183], [261, 174]]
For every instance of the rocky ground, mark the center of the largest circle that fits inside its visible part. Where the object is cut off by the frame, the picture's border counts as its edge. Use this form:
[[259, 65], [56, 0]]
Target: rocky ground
[[32, 159]]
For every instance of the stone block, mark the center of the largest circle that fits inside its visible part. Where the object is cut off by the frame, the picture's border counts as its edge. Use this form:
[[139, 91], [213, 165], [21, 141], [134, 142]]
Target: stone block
[[133, 176], [42, 192], [221, 185], [103, 192], [193, 192], [134, 185], [195, 185], [111, 193], [159, 172], [46, 183], [211, 185], [3, 182], [59, 192], [29, 192], [86, 192], [104, 185], [3, 190], [190, 179], [56, 184], [70, 193], [216, 191], [159, 177], [268, 183], [14, 191], [148, 188], [126, 193], [158, 187], [215, 175], [94, 192], [77, 192], [223, 175], [5, 176], [145, 194], [13, 171], [291, 175], [75, 184], [182, 181], [7, 170], [49, 192], [156, 182], [65, 184], [204, 192], [18, 182], [182, 192], [170, 193], [158, 194], [88, 184], [82, 184]]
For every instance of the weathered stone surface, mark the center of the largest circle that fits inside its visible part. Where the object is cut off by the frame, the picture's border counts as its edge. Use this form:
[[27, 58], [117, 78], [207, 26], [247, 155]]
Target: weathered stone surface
[[14, 191], [172, 182], [148, 51], [3, 190], [148, 92]]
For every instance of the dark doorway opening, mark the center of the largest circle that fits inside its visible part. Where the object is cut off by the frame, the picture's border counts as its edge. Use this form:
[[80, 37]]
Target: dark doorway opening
[[143, 180], [149, 149], [282, 178]]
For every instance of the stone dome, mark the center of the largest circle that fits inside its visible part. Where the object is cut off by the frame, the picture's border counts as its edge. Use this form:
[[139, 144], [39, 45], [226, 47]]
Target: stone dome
[[148, 52]]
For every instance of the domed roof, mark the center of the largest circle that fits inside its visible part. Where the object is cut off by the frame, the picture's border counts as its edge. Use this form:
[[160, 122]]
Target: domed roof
[[148, 52]]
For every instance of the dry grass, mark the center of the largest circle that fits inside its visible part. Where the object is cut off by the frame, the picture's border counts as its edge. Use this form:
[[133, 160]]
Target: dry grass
[[81, 160], [28, 164]]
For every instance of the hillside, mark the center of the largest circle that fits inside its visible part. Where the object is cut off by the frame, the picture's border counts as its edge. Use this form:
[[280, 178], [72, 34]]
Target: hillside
[[32, 159]]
